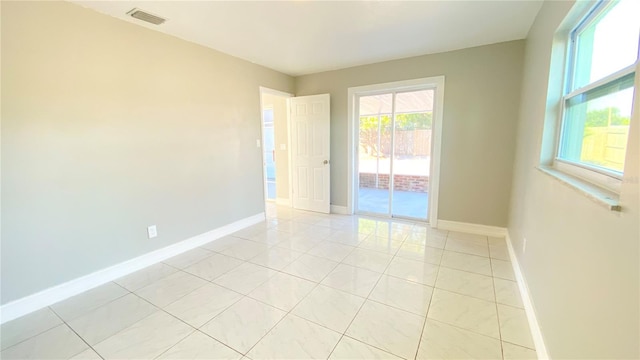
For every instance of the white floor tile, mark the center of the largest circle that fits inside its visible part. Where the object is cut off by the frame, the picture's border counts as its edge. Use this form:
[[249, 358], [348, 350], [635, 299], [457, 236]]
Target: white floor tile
[[329, 307], [56, 343], [245, 278], [213, 266], [165, 291], [145, 339], [299, 243], [472, 263], [514, 326], [107, 320], [368, 259], [188, 258], [351, 238], [292, 227], [245, 249], [502, 269], [30, 325], [222, 243], [146, 276], [475, 238], [466, 283], [355, 287], [351, 349], [515, 352], [270, 237], [88, 354], [381, 244], [402, 294], [354, 280], [89, 300], [332, 251], [203, 304], [467, 247], [296, 338], [243, 324], [390, 329], [442, 341], [282, 291], [507, 292], [420, 252], [310, 267], [199, 346], [413, 270], [499, 252], [434, 241], [276, 258], [464, 311]]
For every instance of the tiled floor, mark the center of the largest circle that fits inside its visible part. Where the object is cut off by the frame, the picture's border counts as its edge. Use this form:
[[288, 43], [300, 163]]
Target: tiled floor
[[298, 286]]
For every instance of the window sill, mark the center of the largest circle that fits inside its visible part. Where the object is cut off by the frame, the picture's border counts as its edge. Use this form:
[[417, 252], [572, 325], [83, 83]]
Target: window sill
[[604, 197]]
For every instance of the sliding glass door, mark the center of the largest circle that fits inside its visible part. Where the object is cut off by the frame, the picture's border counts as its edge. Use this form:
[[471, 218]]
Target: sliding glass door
[[394, 153]]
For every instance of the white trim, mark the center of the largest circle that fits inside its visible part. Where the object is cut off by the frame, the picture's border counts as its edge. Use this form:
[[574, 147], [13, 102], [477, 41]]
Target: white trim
[[472, 228], [341, 210], [534, 326], [266, 90], [436, 150], [436, 82], [604, 81], [76, 286], [283, 202]]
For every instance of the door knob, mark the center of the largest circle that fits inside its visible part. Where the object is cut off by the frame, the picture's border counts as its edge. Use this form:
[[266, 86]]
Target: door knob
[[325, 162]]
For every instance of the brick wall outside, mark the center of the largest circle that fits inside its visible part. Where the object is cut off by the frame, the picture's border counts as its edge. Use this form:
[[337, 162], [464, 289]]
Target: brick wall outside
[[413, 183]]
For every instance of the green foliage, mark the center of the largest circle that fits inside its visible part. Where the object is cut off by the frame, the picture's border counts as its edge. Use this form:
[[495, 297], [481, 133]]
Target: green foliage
[[414, 121], [600, 118], [369, 130]]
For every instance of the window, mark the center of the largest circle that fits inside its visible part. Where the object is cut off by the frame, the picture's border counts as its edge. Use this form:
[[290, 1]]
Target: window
[[599, 90]]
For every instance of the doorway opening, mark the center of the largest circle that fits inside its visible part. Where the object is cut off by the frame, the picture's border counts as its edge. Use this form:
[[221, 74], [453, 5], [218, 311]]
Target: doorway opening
[[275, 146], [269, 153], [395, 148]]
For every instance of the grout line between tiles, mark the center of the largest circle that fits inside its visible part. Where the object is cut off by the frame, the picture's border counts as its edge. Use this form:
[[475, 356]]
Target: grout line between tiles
[[426, 316]]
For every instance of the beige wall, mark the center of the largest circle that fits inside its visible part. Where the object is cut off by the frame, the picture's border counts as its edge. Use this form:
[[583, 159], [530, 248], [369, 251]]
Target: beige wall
[[108, 127], [279, 105], [482, 91], [581, 260]]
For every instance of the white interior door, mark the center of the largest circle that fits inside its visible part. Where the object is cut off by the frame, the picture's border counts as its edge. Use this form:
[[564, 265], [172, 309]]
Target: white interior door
[[310, 152]]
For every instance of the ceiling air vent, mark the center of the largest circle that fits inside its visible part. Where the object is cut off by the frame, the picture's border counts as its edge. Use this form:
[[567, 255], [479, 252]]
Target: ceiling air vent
[[145, 16]]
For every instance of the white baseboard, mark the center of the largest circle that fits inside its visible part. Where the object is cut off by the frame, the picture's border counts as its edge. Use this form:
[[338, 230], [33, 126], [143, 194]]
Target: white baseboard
[[44, 298], [283, 202], [337, 209], [536, 332], [472, 228]]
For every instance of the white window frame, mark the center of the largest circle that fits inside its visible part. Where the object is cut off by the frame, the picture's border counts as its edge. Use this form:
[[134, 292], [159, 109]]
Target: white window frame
[[608, 179]]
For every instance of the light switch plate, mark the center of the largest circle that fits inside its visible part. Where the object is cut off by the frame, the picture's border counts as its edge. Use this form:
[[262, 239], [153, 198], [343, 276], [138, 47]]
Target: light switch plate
[[257, 142], [283, 146]]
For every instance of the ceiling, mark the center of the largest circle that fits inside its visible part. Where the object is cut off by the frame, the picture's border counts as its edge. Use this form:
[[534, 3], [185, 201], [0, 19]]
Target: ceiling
[[302, 37]]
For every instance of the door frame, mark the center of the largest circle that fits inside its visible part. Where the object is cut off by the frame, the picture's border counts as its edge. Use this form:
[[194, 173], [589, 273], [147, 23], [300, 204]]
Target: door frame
[[436, 83], [265, 90]]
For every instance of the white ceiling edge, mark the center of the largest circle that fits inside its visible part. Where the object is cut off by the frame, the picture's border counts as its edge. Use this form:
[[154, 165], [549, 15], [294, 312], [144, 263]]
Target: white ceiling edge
[[306, 37]]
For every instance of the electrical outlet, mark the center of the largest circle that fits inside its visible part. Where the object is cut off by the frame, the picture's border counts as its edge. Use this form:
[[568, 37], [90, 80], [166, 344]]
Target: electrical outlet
[[524, 245], [152, 231]]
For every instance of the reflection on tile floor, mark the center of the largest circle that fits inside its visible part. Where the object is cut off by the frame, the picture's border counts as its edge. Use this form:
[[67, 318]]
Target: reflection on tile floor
[[298, 286]]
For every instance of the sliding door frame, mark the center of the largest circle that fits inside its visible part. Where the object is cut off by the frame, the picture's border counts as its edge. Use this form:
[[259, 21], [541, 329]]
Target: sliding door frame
[[435, 83]]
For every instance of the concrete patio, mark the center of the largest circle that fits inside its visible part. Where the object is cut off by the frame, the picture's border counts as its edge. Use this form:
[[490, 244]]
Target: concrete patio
[[405, 203]]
